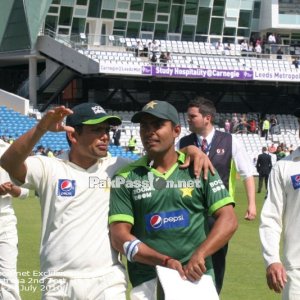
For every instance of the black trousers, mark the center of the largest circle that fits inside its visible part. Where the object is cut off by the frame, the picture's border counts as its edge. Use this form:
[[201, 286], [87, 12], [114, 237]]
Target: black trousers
[[261, 179], [219, 261]]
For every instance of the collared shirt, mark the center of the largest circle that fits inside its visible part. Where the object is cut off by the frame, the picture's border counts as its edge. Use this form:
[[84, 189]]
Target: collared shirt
[[74, 201]]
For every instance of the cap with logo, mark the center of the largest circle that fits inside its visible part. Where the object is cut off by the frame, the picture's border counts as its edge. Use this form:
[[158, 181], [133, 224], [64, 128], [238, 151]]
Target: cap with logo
[[159, 109], [90, 114]]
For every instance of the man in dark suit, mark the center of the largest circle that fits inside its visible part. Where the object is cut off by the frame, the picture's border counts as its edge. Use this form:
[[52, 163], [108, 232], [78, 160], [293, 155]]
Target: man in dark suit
[[263, 167], [228, 156]]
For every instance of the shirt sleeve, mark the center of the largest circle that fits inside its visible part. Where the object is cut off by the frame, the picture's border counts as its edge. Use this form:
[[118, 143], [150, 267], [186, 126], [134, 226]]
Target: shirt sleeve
[[120, 208], [271, 218], [242, 160], [36, 166], [24, 193], [216, 193]]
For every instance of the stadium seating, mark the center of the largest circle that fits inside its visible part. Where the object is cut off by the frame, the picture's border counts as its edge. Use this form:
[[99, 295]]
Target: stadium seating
[[13, 124], [194, 54]]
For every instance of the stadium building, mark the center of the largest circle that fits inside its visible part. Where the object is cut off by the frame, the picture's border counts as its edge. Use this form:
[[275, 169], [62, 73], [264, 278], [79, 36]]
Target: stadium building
[[68, 51]]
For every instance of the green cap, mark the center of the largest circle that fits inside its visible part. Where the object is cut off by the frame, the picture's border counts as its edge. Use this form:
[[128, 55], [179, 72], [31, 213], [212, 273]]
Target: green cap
[[159, 109], [90, 114]]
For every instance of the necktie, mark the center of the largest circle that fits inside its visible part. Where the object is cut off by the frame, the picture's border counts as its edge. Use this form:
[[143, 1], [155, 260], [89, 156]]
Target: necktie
[[204, 145]]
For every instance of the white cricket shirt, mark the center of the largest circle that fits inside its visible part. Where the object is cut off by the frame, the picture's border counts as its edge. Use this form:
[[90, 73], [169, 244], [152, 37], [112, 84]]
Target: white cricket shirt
[[281, 213], [75, 239]]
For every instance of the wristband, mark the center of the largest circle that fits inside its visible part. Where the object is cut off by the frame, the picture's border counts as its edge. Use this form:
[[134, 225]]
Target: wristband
[[131, 249], [166, 260]]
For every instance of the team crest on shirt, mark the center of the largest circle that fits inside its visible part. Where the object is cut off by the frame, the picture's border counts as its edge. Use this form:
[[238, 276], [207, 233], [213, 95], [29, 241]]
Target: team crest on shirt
[[220, 151], [296, 181], [66, 187]]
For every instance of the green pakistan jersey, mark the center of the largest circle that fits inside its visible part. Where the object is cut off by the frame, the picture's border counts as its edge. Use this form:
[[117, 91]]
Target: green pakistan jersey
[[168, 211]]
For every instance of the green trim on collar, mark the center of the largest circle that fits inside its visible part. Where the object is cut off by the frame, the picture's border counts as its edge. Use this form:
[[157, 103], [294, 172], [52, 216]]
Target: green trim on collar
[[144, 162], [180, 160]]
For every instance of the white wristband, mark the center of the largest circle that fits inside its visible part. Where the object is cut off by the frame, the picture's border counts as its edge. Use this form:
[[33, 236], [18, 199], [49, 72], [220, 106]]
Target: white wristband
[[131, 249]]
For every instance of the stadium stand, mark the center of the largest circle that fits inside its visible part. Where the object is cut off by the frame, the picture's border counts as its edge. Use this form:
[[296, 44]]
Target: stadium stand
[[14, 124]]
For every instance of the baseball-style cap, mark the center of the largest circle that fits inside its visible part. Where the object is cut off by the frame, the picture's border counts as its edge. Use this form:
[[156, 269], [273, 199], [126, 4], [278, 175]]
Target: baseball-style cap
[[159, 109], [90, 114], [297, 112]]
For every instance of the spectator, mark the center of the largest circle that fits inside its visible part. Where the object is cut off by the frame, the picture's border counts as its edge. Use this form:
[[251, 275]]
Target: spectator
[[227, 46], [186, 245], [146, 50], [280, 219], [139, 48], [244, 47], [132, 144], [279, 53], [227, 126], [286, 151], [258, 48], [278, 39], [235, 122], [49, 153], [168, 56], [40, 150], [280, 154], [265, 128], [116, 135], [273, 124], [163, 59], [263, 167], [272, 148], [296, 62], [252, 126], [272, 38], [154, 48], [153, 58]]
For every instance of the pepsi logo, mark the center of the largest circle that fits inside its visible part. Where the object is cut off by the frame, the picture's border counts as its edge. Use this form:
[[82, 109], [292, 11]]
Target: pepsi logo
[[66, 185], [156, 221], [297, 178]]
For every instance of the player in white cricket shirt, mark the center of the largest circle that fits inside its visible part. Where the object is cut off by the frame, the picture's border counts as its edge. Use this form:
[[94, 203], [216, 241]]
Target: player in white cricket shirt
[[9, 287], [76, 258]]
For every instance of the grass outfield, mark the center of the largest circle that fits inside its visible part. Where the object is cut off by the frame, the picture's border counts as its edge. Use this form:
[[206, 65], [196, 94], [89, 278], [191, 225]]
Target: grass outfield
[[245, 274]]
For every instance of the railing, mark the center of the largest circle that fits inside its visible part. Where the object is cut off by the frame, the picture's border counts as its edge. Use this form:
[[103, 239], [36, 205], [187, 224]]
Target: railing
[[84, 41], [60, 38]]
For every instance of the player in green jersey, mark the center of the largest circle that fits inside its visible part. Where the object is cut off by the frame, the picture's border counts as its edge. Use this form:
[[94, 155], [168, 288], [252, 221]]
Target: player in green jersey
[[158, 212]]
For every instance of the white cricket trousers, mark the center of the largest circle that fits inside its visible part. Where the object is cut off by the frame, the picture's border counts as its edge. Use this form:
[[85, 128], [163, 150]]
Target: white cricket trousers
[[291, 290], [9, 286], [111, 286], [145, 291]]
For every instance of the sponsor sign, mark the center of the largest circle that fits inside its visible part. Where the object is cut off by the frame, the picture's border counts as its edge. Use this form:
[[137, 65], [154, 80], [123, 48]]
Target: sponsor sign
[[296, 181], [66, 187], [167, 220]]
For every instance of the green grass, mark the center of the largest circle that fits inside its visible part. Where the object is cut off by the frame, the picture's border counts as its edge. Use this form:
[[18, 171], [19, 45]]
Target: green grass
[[245, 273]]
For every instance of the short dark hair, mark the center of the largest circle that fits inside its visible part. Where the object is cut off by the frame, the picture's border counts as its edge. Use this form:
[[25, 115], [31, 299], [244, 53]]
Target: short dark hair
[[205, 106], [78, 129]]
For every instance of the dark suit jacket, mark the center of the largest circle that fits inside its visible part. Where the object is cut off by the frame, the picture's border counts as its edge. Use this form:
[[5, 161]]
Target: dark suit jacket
[[264, 164]]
